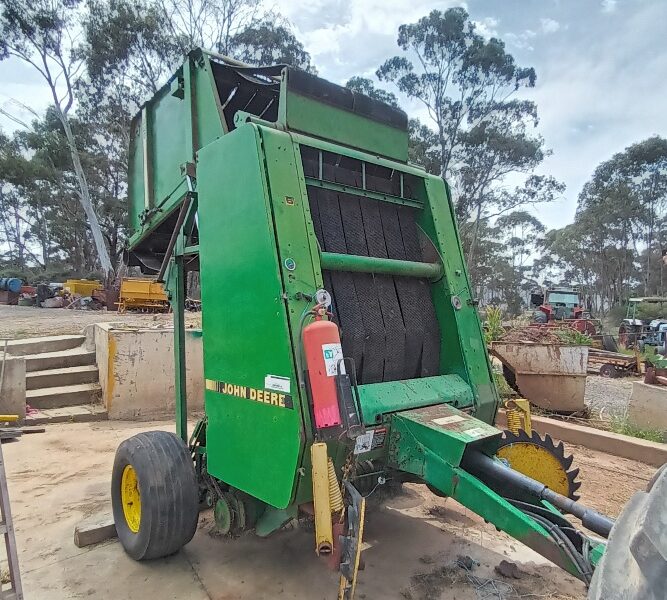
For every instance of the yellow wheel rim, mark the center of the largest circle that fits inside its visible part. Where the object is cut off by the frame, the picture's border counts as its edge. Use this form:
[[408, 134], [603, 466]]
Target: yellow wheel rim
[[131, 498], [538, 463]]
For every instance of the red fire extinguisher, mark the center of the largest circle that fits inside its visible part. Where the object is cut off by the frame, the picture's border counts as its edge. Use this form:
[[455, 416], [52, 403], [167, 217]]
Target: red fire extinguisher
[[323, 353]]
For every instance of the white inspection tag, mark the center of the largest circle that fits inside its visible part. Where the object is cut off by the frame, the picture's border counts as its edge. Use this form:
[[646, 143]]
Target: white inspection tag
[[277, 383], [333, 354], [364, 442], [448, 420], [475, 432]]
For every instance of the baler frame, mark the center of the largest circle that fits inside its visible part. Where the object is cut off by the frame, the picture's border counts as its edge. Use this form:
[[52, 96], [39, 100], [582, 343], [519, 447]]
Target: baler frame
[[439, 427]]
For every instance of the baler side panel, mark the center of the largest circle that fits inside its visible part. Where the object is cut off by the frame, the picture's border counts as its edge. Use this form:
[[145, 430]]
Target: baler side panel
[[295, 239], [252, 445], [463, 350], [182, 116]]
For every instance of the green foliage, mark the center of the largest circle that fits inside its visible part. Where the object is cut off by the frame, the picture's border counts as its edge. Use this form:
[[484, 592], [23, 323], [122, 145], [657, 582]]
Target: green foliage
[[572, 337], [493, 325], [366, 87], [614, 244], [504, 390], [623, 426], [656, 360], [269, 43]]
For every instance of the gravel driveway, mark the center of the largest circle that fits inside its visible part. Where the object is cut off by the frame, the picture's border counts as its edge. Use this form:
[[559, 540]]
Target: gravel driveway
[[608, 396]]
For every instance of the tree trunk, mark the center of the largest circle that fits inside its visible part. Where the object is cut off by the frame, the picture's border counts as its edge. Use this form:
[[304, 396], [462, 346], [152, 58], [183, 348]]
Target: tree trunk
[[475, 233], [84, 198]]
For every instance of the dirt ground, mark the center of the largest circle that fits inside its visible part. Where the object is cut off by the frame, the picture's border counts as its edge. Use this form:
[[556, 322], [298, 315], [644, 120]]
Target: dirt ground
[[61, 476], [18, 322]]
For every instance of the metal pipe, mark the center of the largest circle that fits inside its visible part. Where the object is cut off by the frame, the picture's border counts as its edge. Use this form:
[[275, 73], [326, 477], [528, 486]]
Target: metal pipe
[[334, 261], [234, 63], [174, 235], [485, 468]]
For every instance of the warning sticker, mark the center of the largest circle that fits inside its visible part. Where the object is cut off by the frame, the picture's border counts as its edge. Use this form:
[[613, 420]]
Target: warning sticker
[[277, 383], [475, 432], [364, 442], [448, 420], [378, 438], [333, 354]]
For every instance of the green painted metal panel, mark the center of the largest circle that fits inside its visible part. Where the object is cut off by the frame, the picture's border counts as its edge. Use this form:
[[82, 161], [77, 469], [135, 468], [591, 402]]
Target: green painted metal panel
[[252, 445], [303, 114], [175, 127], [430, 443], [378, 399], [463, 350], [443, 430]]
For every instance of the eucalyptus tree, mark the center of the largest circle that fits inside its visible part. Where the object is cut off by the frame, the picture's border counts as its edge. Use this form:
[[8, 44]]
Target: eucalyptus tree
[[44, 35]]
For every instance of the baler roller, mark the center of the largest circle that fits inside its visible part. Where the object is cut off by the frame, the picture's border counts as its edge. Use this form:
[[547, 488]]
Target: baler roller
[[334, 261]]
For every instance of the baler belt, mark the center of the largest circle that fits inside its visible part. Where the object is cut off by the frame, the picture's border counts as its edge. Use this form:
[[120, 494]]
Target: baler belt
[[388, 324]]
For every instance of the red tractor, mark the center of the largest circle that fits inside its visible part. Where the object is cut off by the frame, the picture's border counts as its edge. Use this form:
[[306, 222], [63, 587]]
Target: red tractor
[[563, 306]]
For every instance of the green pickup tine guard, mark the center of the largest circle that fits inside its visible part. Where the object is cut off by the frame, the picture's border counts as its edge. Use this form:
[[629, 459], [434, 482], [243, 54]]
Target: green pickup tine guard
[[294, 200]]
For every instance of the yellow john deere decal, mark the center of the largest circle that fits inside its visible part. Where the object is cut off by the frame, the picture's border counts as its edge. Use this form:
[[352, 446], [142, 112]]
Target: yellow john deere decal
[[243, 391]]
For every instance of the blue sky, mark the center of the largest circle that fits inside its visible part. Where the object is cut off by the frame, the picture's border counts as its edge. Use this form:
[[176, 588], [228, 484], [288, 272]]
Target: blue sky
[[601, 68]]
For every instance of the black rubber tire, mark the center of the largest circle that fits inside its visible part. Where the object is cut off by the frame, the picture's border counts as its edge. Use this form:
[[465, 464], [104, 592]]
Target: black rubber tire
[[169, 496], [510, 378], [609, 371], [609, 343]]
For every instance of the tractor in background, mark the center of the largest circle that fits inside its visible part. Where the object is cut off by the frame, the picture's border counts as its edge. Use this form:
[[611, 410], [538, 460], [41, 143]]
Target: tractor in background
[[638, 333], [563, 306]]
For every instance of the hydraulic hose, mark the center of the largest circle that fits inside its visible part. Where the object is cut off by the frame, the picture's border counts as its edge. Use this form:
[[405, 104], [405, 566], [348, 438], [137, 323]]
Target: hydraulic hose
[[486, 468]]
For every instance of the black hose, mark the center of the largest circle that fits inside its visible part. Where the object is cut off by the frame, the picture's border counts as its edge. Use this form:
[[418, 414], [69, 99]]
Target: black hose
[[580, 561]]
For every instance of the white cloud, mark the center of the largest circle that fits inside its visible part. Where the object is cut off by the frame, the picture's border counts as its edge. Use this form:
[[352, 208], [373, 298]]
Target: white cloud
[[520, 40], [609, 6], [549, 25], [487, 27]]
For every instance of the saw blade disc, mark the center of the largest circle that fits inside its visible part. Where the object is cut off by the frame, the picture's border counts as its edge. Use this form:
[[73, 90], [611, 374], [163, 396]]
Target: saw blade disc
[[540, 459]]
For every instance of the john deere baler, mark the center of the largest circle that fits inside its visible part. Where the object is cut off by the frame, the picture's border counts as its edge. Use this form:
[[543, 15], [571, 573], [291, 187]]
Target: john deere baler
[[342, 345]]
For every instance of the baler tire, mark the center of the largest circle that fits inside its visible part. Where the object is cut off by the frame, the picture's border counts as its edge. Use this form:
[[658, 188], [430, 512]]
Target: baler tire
[[168, 494]]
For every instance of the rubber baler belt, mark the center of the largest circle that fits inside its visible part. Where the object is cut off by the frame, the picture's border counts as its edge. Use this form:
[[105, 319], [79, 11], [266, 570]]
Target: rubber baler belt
[[388, 324]]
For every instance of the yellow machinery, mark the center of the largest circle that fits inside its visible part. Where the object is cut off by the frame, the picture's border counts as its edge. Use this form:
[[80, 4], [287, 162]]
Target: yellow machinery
[[142, 294], [82, 287]]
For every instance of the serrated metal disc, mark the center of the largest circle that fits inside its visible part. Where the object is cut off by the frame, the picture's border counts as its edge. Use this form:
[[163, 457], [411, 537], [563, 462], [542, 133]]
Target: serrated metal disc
[[540, 459]]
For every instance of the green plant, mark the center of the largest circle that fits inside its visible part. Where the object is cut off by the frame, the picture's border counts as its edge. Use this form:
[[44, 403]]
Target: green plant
[[572, 337], [502, 386], [623, 426], [658, 361], [493, 326]]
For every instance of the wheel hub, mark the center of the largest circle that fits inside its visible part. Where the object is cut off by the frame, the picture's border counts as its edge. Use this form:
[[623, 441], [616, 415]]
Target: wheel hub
[[131, 498]]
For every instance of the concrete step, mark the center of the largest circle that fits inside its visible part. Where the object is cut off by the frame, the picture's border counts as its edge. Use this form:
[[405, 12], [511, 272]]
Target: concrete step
[[39, 345], [61, 359], [83, 413], [64, 395], [65, 376]]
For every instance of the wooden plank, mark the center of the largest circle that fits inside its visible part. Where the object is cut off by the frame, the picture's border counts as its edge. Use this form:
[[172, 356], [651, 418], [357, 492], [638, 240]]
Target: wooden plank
[[94, 529]]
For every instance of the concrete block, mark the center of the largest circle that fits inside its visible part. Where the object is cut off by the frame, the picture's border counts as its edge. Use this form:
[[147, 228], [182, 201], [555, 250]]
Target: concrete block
[[64, 395], [136, 368], [12, 395], [39, 345], [651, 453], [648, 406], [94, 529]]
